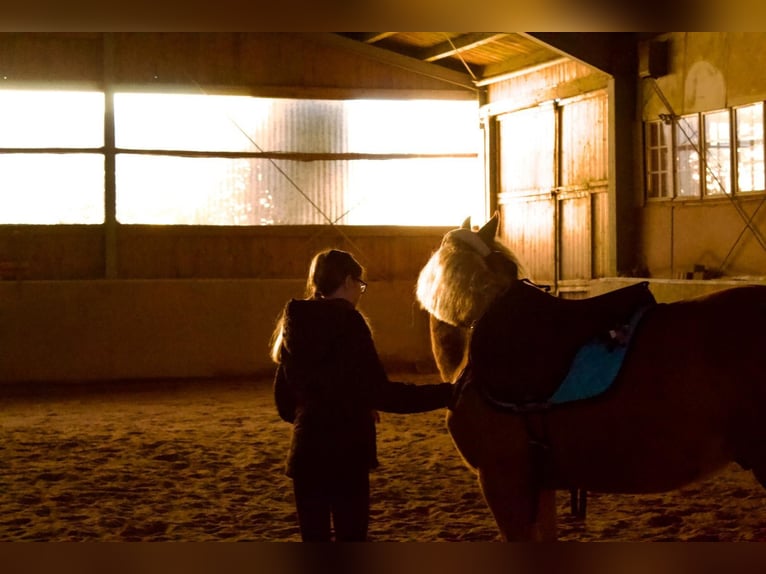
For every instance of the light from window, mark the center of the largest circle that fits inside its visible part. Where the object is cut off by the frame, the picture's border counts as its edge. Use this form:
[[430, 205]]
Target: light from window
[[47, 119], [750, 149], [658, 160], [314, 174], [40, 187], [51, 188], [717, 153], [189, 122], [688, 156]]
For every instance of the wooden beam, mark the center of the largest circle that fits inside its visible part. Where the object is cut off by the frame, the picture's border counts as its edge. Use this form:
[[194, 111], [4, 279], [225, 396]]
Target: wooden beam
[[601, 50], [397, 60], [458, 44], [373, 37], [518, 66]]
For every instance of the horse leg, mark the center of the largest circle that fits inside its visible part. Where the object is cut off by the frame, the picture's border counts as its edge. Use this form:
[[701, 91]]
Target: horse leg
[[522, 511], [578, 500], [546, 516]]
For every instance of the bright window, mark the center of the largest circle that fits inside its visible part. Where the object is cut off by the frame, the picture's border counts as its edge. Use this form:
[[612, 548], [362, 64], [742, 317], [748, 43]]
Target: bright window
[[717, 153], [688, 156], [51, 161], [223, 160], [750, 159]]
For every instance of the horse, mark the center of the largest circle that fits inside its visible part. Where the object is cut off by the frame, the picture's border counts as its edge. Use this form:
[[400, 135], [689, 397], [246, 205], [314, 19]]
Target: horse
[[688, 398]]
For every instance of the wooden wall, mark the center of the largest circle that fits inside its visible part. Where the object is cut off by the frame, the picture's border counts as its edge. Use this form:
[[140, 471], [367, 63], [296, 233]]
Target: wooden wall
[[552, 182], [279, 64], [196, 301], [65, 252]]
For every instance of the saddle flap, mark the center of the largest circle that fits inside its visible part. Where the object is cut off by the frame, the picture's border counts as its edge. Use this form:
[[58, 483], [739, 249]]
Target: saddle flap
[[523, 347]]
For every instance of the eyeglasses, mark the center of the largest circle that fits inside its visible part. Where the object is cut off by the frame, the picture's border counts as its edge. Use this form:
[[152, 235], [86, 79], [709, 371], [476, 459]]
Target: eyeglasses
[[362, 284]]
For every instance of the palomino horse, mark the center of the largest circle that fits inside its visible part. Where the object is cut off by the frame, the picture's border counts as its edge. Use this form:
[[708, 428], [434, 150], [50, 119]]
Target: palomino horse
[[689, 399]]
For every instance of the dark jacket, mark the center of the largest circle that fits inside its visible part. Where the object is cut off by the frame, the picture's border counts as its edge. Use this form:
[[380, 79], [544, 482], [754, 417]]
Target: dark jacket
[[329, 381]]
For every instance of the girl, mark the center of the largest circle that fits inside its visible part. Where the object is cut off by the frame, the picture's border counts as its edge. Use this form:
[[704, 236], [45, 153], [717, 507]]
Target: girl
[[329, 383]]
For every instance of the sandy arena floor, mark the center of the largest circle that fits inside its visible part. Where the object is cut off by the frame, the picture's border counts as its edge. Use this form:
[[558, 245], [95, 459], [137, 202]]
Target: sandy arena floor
[[202, 461]]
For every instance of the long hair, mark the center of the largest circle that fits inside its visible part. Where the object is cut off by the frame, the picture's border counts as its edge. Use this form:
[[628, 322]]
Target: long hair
[[458, 283], [327, 271]]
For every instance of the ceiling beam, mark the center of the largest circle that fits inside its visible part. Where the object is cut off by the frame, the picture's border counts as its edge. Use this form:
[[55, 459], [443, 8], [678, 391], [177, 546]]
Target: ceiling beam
[[373, 37], [601, 50], [459, 43], [397, 60], [513, 68]]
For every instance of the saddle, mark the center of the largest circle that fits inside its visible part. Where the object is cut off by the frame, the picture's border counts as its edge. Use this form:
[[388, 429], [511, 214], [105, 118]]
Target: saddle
[[524, 345]]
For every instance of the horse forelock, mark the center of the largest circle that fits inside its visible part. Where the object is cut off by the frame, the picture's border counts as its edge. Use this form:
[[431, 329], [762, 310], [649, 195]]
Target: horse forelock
[[470, 238], [456, 285]]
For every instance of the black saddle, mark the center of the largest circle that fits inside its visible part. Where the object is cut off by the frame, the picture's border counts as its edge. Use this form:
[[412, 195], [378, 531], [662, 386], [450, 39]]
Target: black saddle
[[523, 346]]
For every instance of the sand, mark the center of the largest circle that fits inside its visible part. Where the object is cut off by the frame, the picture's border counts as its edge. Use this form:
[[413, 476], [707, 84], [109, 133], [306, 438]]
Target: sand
[[203, 461]]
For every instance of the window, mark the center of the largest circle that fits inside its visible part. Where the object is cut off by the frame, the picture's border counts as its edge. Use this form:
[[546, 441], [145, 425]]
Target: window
[[658, 160], [750, 148], [51, 157], [225, 160], [687, 156], [237, 160], [717, 153]]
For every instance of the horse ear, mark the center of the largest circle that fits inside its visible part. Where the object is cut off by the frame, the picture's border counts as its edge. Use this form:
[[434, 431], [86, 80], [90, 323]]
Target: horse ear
[[488, 232], [466, 223]]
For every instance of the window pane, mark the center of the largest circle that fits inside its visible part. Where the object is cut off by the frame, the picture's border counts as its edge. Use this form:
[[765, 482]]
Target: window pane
[[184, 191], [30, 119], [245, 124], [48, 189], [188, 122], [658, 160], [687, 157], [416, 126], [172, 190], [412, 192], [750, 164], [717, 153]]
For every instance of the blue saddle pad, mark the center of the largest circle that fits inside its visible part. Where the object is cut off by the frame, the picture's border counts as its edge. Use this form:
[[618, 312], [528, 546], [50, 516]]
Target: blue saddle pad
[[595, 366]]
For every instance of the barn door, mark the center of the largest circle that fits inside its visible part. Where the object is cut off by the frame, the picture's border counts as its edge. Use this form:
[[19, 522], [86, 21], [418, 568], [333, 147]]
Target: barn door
[[552, 190], [526, 188]]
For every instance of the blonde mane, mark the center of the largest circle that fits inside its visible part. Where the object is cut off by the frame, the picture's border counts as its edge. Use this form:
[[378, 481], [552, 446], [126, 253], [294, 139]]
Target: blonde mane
[[457, 285]]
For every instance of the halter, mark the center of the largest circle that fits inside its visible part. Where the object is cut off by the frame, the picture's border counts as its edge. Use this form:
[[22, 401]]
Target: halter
[[469, 237]]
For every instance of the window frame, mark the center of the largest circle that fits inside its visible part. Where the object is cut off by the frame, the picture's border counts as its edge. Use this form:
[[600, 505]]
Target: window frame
[[736, 147], [666, 174], [694, 147], [732, 165], [111, 149], [727, 165], [333, 195], [68, 126]]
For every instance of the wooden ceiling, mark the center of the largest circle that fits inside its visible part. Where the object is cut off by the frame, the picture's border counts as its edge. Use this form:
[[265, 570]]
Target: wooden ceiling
[[485, 55]]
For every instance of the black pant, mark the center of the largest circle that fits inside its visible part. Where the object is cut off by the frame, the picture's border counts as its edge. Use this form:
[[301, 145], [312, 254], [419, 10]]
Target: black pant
[[341, 499]]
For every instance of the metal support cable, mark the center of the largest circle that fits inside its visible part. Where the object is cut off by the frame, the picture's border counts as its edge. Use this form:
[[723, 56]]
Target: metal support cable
[[745, 217], [290, 180], [459, 55]]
